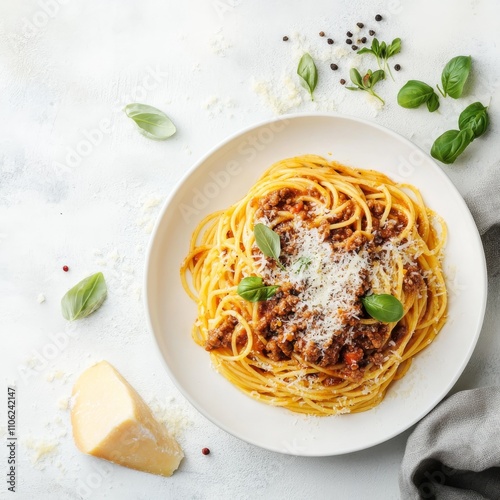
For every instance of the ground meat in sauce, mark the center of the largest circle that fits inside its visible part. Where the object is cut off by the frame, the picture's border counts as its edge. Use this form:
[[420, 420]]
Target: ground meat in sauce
[[367, 343], [222, 335], [398, 334], [329, 381], [377, 358], [273, 351], [394, 225], [413, 280]]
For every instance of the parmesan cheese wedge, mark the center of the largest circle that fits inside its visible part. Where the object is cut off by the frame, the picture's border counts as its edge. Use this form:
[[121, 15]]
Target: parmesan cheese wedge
[[111, 421]]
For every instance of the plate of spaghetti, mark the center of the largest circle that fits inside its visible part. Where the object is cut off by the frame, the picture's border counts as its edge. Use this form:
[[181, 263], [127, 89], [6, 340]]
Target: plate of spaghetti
[[315, 285]]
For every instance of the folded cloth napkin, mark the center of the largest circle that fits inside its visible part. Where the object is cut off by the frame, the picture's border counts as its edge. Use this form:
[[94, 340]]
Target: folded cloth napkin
[[454, 452], [480, 187]]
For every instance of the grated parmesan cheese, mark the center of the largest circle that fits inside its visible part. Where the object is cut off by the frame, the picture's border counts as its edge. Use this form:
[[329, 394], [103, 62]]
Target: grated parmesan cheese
[[329, 284], [328, 281]]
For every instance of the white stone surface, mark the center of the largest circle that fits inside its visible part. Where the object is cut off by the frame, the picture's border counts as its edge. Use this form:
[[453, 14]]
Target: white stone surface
[[67, 69]]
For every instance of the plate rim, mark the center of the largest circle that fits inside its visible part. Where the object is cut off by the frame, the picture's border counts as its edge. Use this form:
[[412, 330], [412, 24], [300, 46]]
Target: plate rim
[[196, 165]]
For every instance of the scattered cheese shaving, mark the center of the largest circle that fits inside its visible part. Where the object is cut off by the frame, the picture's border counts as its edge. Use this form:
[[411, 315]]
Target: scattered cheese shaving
[[40, 448]]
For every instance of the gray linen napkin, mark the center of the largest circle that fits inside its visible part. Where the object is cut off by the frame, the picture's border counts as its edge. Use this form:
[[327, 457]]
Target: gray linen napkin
[[479, 184], [454, 453]]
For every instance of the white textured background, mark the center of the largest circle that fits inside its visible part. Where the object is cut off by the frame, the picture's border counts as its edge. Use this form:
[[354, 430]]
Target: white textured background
[[71, 194]]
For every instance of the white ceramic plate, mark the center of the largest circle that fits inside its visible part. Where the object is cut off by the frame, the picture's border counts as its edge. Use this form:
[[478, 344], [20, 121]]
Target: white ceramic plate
[[221, 178]]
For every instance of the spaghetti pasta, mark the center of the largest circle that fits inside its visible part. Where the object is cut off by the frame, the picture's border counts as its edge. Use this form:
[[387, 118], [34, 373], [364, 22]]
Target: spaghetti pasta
[[344, 234]]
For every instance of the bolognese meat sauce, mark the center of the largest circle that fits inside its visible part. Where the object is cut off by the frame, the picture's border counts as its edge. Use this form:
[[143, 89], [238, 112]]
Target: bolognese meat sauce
[[323, 325]]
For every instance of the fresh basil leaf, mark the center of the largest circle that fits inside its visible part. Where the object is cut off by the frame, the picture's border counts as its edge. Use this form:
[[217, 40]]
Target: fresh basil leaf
[[84, 298], [268, 242], [414, 93], [454, 76], [382, 53], [450, 145], [433, 102], [252, 289], [308, 73], [383, 307], [383, 50], [365, 50], [376, 76], [356, 77], [474, 117], [366, 82], [152, 122], [394, 48]]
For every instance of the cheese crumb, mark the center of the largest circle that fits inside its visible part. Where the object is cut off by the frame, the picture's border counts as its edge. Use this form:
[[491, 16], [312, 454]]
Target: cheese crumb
[[63, 404], [219, 44], [280, 97], [50, 377], [40, 448]]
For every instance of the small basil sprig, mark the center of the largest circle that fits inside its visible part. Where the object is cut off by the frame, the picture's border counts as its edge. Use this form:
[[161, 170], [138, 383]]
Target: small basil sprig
[[473, 122], [366, 82], [254, 290], [474, 117], [84, 298], [383, 52], [383, 307], [308, 73], [152, 122], [268, 242], [454, 76], [302, 263], [414, 93]]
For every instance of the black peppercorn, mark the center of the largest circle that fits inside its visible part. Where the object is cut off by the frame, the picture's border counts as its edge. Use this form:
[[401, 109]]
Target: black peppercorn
[[349, 34], [363, 40], [330, 41], [360, 25], [397, 67], [334, 67], [285, 39], [342, 82], [354, 47], [378, 17], [348, 41], [371, 32]]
